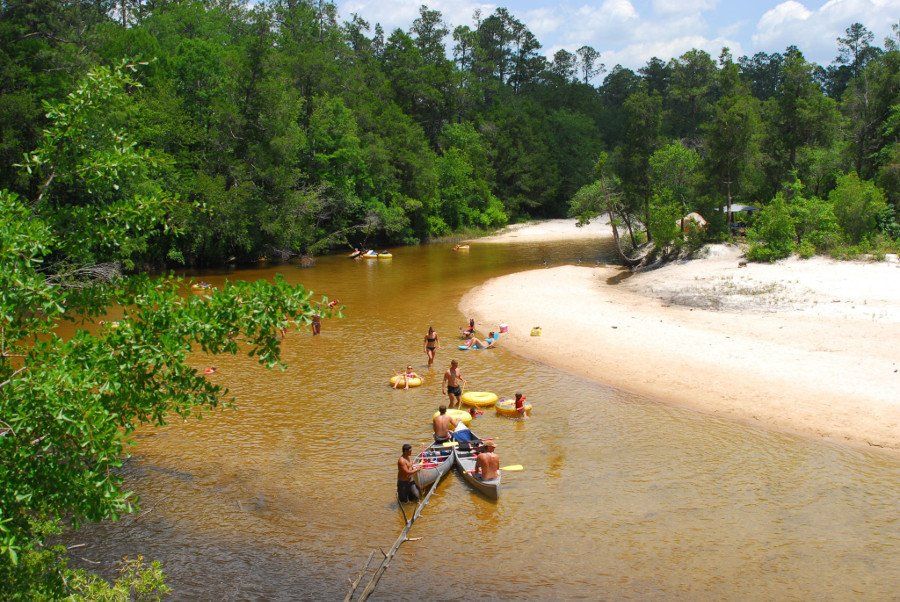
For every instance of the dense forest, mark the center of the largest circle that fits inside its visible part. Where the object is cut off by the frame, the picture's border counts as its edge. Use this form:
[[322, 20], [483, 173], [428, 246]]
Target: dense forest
[[281, 129]]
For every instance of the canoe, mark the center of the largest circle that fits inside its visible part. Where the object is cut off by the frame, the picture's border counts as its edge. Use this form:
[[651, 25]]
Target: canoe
[[438, 460], [464, 458]]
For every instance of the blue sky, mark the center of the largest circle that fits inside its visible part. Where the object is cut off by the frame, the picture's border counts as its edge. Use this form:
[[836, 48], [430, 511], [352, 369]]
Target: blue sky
[[631, 31]]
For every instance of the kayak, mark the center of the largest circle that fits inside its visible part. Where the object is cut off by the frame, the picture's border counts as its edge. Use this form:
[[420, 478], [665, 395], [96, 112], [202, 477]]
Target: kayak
[[436, 461], [464, 458], [385, 256], [355, 254]]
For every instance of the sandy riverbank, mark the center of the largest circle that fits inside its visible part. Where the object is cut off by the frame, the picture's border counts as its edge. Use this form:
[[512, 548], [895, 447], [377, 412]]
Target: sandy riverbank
[[548, 231], [805, 346]]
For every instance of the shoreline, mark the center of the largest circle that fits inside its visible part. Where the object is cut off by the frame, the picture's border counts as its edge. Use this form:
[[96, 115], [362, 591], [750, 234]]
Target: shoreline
[[549, 230], [810, 347]]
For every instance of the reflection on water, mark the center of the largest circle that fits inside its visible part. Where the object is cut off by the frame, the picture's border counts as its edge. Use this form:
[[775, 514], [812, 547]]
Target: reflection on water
[[283, 497]]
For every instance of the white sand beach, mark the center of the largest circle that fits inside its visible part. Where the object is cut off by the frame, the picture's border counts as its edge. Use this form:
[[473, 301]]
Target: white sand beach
[[548, 231], [804, 346]]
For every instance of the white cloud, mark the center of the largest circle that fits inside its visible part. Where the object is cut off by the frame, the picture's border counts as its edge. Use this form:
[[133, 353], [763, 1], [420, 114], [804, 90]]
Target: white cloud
[[815, 31], [666, 28], [637, 54], [670, 7]]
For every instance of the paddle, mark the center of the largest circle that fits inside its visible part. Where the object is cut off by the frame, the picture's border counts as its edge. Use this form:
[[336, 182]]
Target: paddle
[[513, 468]]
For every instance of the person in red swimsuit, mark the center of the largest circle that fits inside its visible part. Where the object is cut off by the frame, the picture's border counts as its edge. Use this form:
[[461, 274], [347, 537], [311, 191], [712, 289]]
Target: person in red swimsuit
[[520, 406]]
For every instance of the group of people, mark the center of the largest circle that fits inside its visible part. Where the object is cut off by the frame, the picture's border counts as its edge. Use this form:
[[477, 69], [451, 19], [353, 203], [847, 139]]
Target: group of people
[[487, 462]]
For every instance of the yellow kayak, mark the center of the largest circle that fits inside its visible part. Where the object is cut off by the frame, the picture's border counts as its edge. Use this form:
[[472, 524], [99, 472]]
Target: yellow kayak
[[507, 408], [479, 399], [385, 255]]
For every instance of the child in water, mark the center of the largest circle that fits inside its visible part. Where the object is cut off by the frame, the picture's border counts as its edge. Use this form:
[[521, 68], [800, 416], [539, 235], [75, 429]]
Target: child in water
[[406, 377]]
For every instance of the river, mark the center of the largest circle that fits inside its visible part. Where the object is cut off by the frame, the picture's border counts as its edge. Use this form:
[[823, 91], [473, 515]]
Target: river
[[283, 497]]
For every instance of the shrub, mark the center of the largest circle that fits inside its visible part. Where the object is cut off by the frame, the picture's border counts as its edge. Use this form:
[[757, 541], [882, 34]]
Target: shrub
[[772, 236], [857, 205]]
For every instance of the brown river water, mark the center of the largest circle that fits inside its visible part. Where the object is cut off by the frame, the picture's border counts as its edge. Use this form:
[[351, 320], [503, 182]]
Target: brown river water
[[284, 497]]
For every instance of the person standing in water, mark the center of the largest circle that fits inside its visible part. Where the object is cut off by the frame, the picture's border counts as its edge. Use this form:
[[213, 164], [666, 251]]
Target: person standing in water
[[452, 378], [431, 341], [316, 325], [406, 487]]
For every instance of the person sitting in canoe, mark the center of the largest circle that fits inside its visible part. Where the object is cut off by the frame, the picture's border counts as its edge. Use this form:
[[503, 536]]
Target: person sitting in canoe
[[405, 377], [406, 487], [443, 425], [487, 463]]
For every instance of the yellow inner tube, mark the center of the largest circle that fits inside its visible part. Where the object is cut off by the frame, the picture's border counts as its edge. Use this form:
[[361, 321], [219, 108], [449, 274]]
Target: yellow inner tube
[[479, 399], [457, 415], [507, 407], [413, 382], [385, 255]]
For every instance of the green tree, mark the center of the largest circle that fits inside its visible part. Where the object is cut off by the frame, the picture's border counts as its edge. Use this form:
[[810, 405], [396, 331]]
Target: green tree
[[857, 204], [772, 236], [68, 406]]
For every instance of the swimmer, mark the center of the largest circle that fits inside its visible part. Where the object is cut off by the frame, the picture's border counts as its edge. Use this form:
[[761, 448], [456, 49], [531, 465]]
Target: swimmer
[[211, 370], [431, 342], [407, 376], [474, 412]]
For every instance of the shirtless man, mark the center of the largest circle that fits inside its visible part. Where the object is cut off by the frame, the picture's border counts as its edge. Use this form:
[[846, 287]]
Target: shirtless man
[[406, 487], [452, 378], [443, 425], [487, 463]]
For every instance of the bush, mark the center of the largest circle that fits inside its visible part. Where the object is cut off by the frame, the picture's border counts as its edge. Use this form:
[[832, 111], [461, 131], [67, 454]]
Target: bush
[[664, 224], [806, 249], [857, 205], [772, 236]]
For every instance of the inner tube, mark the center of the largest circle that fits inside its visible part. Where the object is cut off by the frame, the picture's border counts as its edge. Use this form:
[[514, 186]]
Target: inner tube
[[479, 399], [413, 382], [464, 348], [385, 255], [507, 407], [460, 416]]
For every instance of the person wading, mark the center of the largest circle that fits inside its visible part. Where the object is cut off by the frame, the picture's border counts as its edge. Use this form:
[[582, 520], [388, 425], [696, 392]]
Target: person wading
[[406, 488], [452, 378], [431, 342], [443, 425]]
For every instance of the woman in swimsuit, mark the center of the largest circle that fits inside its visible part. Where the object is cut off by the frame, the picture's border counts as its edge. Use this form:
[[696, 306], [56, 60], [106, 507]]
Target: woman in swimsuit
[[431, 341]]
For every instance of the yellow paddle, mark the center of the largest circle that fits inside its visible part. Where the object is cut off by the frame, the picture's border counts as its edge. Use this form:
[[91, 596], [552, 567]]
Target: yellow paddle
[[512, 468]]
